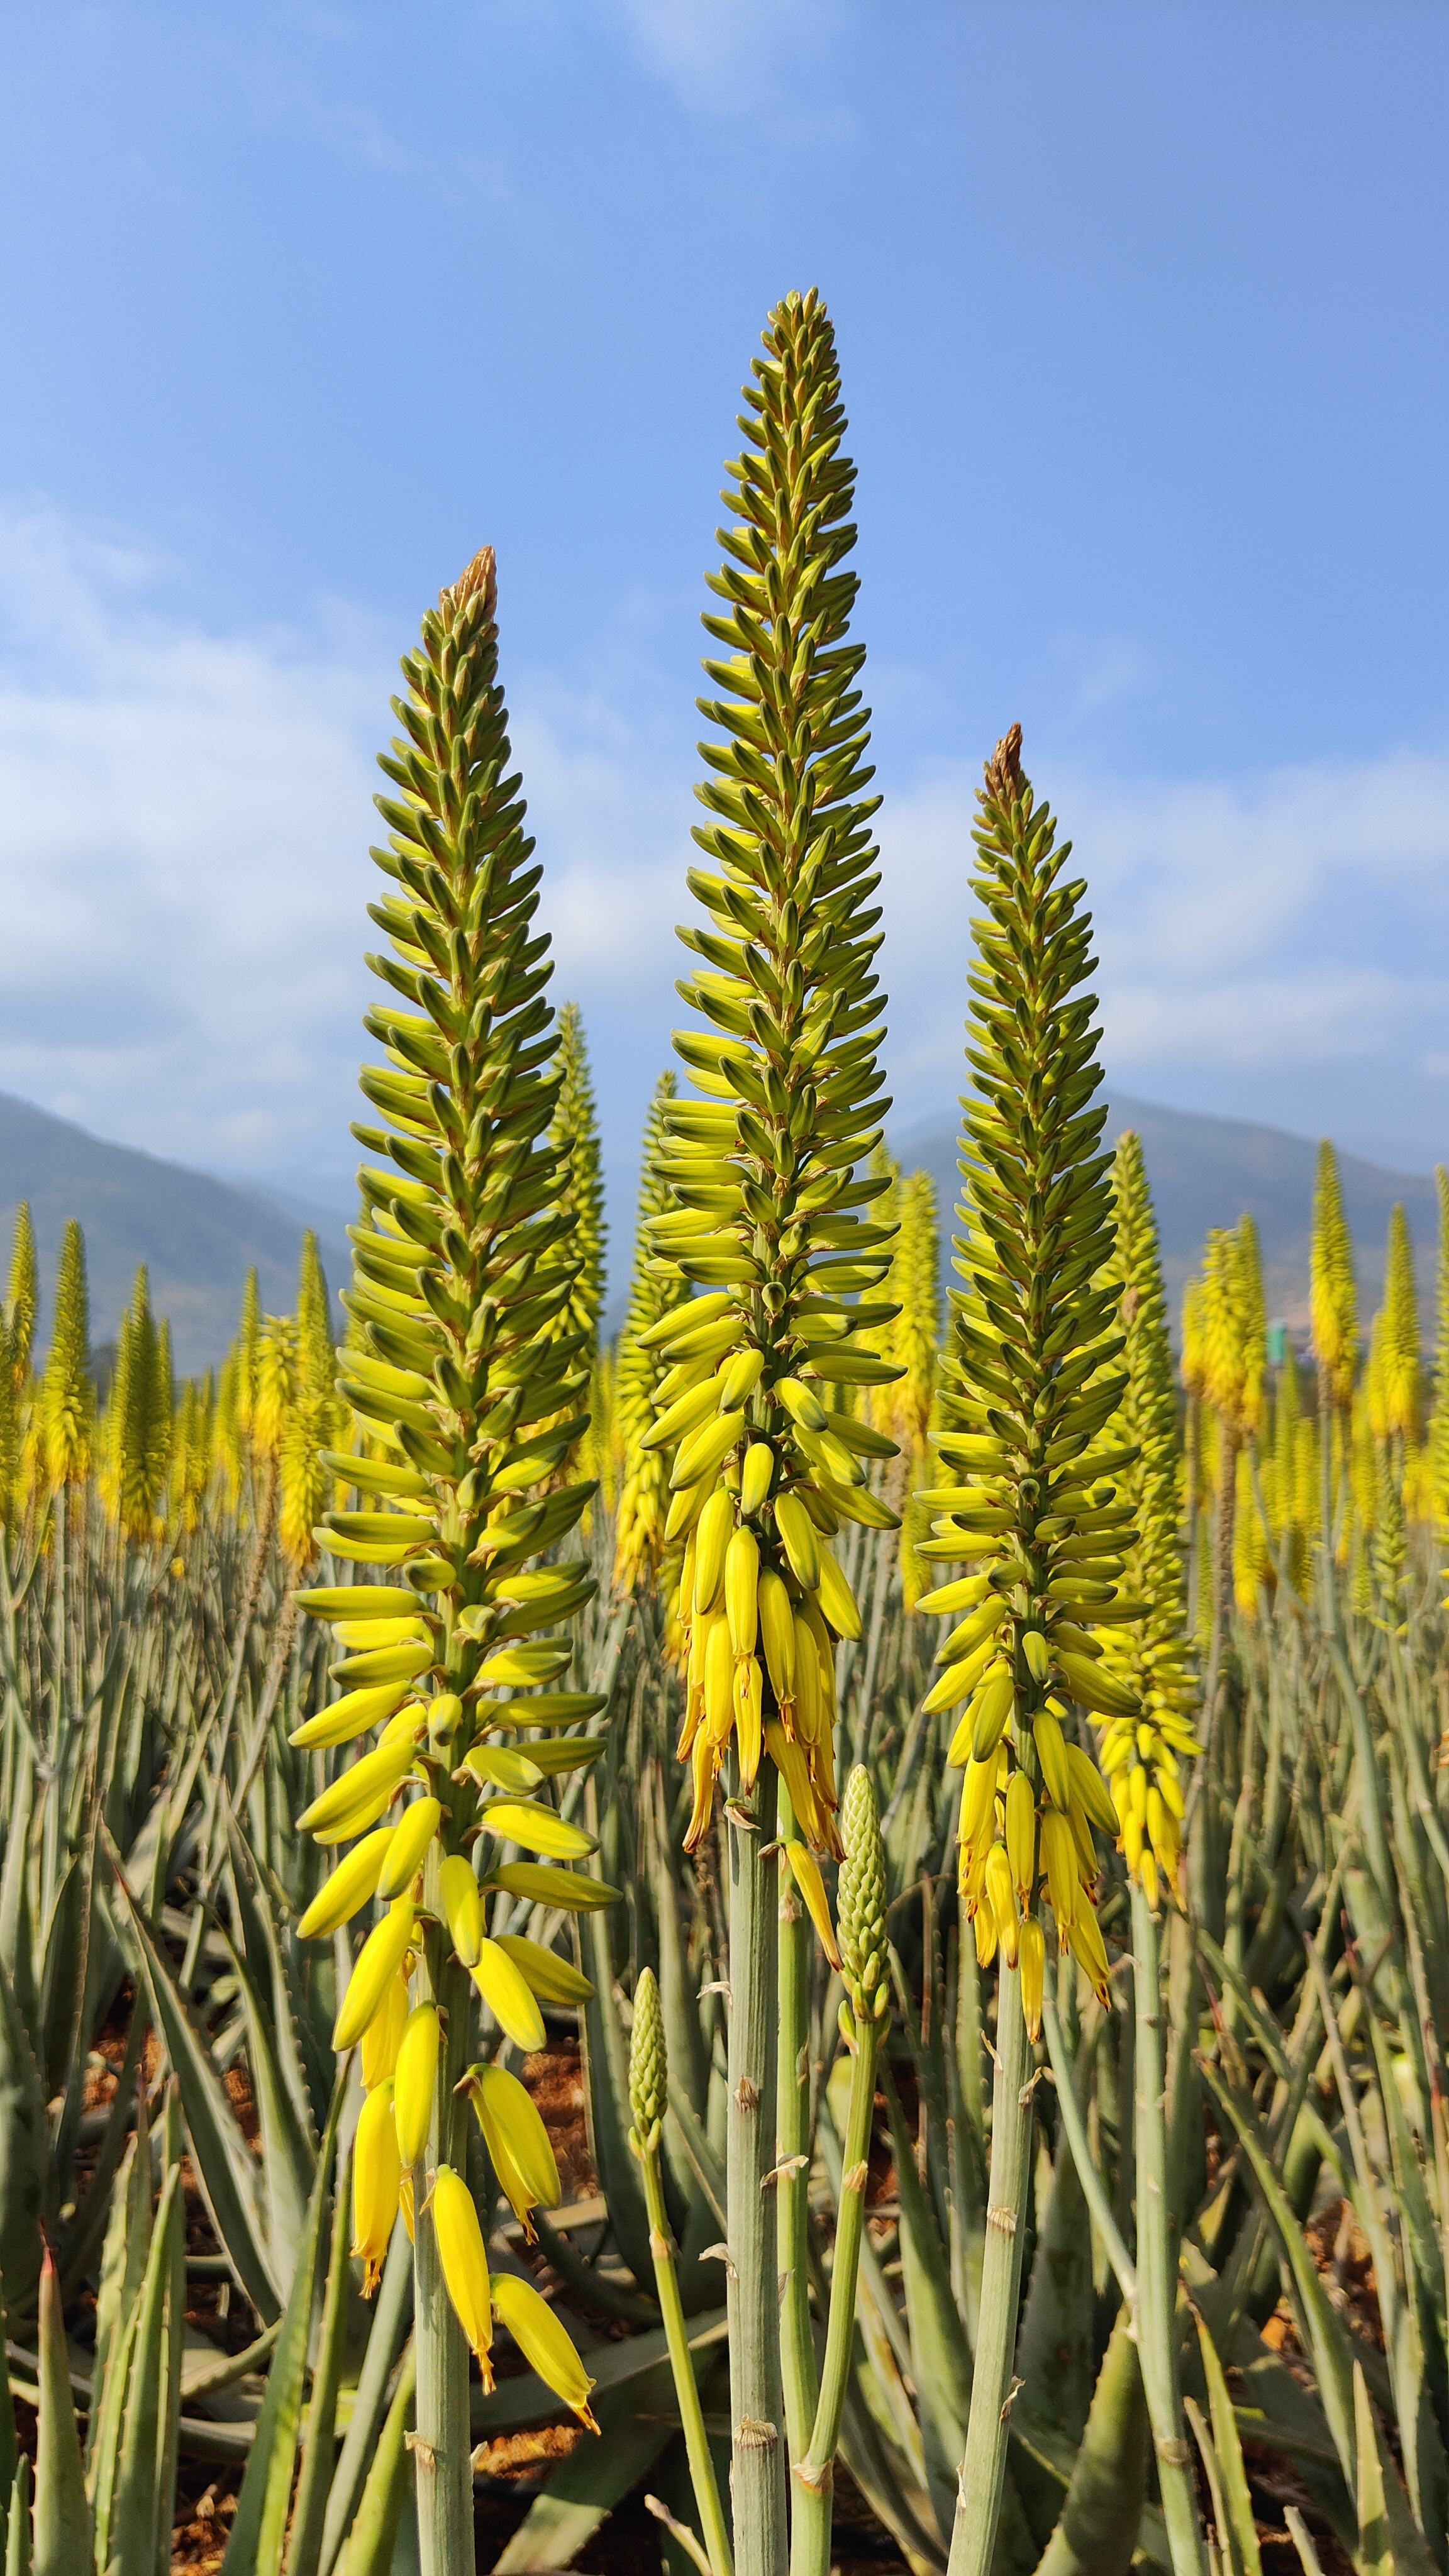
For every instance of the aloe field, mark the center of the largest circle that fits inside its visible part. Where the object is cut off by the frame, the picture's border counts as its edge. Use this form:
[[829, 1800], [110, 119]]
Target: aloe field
[[814, 1936]]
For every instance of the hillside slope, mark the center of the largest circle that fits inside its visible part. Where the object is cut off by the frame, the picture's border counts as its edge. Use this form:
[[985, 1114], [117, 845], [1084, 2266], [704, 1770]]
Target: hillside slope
[[198, 1236], [1209, 1171]]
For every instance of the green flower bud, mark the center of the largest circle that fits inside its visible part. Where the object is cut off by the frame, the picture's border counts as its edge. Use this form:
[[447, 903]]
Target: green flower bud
[[648, 2063], [860, 1899]]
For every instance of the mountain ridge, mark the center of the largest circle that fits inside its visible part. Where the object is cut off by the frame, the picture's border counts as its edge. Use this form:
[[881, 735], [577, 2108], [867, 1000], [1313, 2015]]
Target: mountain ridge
[[1205, 1171], [197, 1235]]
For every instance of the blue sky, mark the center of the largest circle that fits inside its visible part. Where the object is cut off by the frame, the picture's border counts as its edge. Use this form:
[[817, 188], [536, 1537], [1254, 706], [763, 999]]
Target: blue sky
[[1142, 319]]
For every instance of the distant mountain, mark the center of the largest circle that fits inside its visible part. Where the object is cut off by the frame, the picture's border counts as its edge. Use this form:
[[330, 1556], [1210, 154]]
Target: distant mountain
[[197, 1236], [1210, 1171]]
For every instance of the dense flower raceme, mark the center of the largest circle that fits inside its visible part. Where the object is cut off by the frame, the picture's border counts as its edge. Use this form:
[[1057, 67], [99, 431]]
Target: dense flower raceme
[[1030, 1383], [768, 1217], [466, 1368]]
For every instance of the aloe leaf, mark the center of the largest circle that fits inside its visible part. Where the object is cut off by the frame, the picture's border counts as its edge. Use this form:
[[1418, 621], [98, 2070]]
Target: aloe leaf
[[319, 2451], [606, 2092], [24, 2158], [62, 2516], [1276, 2409], [391, 2319], [1096, 2531], [1226, 2561], [83, 2237], [898, 2499], [1054, 2346], [1375, 2555], [17, 1929], [225, 2166], [1332, 2362], [703, 2159], [1335, 2368], [265, 1916], [1302, 2539], [63, 1951], [289, 2163], [9, 2446], [123, 2268], [635, 2422], [173, 2142], [374, 2534], [1239, 2529], [140, 2510], [17, 2522], [940, 2359], [259, 2531]]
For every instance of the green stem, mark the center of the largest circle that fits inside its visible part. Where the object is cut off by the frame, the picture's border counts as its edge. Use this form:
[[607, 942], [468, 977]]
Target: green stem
[[1157, 2259], [319, 2455], [814, 2483], [443, 2445], [792, 2140], [756, 2393], [681, 2362], [983, 2470]]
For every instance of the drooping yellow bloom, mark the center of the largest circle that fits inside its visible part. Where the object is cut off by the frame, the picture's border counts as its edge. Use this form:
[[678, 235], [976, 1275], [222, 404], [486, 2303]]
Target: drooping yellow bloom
[[348, 1889], [544, 2341], [378, 1962], [376, 2183], [517, 2142], [465, 2264], [415, 2081]]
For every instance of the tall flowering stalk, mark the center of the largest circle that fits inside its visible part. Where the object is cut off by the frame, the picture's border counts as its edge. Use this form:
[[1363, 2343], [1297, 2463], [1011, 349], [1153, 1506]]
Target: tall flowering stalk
[[644, 1497], [1144, 1757], [1333, 1309], [771, 1222], [1030, 1384], [471, 1390]]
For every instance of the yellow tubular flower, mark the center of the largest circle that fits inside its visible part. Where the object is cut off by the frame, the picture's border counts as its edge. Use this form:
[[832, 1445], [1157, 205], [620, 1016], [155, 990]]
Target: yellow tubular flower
[[806, 1872], [351, 1884], [415, 2081], [1031, 1954], [378, 1962], [462, 1906], [361, 1793], [506, 1993], [415, 1832], [1002, 1900], [383, 2036], [544, 2342], [517, 2142], [376, 2184], [352, 1716], [1090, 1950], [465, 2264], [552, 1979]]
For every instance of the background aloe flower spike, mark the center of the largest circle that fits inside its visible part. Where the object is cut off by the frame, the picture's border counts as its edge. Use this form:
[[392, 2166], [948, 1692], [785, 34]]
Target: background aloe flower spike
[[473, 1320]]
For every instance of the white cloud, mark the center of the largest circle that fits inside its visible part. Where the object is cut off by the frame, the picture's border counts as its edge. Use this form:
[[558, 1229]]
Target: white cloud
[[727, 55], [1292, 926], [185, 875], [184, 870]]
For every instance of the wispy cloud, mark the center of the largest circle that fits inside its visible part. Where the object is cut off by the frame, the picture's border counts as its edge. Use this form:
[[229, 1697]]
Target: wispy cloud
[[725, 56], [184, 883], [1254, 938], [184, 871]]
